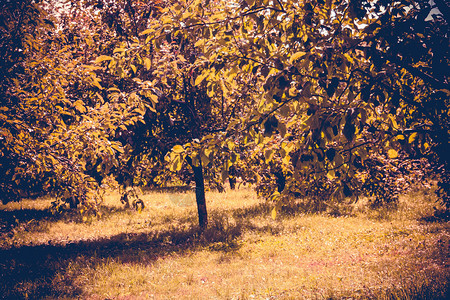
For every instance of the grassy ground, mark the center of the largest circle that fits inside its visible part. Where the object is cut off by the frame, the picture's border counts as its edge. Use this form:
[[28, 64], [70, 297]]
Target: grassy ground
[[351, 252]]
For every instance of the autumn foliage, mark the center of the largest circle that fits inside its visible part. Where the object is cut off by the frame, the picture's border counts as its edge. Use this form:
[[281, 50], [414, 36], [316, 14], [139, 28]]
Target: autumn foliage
[[329, 100]]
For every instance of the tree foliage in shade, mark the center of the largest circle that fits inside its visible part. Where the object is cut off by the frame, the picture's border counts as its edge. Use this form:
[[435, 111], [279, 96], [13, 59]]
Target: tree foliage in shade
[[55, 124]]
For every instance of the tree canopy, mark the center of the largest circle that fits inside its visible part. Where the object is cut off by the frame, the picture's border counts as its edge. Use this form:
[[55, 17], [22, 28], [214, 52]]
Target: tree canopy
[[323, 99]]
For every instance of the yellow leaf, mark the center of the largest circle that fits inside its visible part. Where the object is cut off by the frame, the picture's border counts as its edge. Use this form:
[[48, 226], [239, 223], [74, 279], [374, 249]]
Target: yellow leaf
[[274, 213], [392, 153], [79, 105], [208, 152], [119, 50], [205, 159], [53, 160], [278, 205], [147, 31], [178, 149], [348, 57], [133, 67], [96, 83], [152, 109], [147, 63], [200, 78], [231, 145], [117, 148], [102, 58], [186, 15], [154, 98], [176, 164], [113, 89], [199, 43], [412, 137], [296, 56], [331, 175]]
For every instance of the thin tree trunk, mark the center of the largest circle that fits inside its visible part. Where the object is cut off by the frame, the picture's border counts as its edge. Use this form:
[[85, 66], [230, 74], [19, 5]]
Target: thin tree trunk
[[232, 181], [73, 203], [199, 194]]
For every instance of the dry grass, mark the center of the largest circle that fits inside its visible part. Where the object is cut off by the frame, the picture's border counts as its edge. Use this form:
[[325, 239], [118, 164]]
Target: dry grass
[[159, 254]]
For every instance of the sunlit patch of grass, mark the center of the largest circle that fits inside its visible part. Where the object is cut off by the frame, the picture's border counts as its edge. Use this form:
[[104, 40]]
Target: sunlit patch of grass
[[159, 253]]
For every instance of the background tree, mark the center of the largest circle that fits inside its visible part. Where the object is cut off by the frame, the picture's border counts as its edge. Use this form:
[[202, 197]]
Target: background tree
[[54, 122]]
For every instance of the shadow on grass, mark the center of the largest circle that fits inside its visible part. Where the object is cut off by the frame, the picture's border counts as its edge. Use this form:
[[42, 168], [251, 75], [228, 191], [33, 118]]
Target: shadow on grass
[[36, 220], [440, 215], [44, 271], [29, 218], [34, 271]]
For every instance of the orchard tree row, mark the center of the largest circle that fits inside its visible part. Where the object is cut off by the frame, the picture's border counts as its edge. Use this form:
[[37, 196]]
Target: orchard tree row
[[326, 100]]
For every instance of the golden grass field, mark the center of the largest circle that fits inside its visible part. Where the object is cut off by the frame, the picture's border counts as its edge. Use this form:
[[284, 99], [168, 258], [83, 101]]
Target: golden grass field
[[349, 252]]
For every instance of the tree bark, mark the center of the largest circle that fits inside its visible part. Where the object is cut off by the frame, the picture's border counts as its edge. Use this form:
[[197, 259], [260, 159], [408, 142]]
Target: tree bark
[[232, 177], [199, 194], [73, 202], [232, 181]]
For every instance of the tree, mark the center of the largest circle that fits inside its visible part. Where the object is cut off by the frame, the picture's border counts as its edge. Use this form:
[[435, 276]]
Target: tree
[[337, 76], [54, 122], [109, 95], [157, 75], [302, 97]]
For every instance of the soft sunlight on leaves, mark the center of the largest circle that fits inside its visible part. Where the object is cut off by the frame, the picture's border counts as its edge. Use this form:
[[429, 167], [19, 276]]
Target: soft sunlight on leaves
[[392, 153], [307, 99], [296, 56], [178, 149]]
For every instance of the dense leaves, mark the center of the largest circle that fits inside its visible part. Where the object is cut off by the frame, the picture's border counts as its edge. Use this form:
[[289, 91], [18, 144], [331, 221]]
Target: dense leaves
[[56, 126], [326, 100], [334, 84]]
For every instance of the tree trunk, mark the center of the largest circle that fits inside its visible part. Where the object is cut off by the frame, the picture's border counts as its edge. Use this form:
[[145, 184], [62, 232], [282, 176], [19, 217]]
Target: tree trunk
[[232, 177], [199, 193], [73, 202], [232, 181], [280, 180]]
